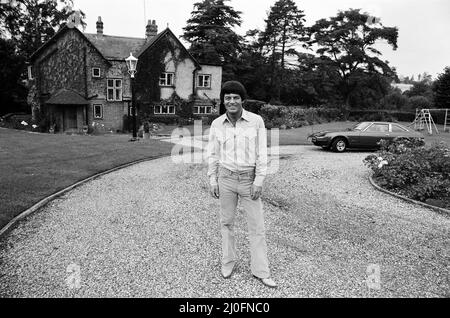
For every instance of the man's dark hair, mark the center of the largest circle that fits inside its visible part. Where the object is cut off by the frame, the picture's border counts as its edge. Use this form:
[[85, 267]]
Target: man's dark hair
[[233, 87]]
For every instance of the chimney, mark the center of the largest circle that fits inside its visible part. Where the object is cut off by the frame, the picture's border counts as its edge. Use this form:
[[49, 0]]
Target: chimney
[[151, 29], [99, 26]]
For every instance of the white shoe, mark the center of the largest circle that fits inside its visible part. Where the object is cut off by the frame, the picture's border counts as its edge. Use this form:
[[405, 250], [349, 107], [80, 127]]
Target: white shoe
[[269, 282], [226, 273]]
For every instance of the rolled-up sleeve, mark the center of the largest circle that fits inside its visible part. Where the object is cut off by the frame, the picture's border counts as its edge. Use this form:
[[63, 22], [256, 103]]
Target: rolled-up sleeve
[[213, 156], [261, 154]]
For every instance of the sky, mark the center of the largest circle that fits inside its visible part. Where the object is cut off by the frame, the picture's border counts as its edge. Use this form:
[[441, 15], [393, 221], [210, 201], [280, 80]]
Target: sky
[[424, 26]]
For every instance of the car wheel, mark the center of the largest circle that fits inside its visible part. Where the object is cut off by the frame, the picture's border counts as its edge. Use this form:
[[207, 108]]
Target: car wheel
[[339, 145]]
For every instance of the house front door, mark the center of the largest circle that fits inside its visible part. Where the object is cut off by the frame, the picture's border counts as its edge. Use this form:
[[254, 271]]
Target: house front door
[[70, 118]]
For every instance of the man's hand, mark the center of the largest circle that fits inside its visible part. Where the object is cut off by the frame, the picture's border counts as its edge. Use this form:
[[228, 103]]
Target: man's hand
[[214, 190], [255, 192]]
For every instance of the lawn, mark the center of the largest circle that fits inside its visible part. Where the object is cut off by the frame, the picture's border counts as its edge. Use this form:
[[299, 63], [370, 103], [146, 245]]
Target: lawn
[[34, 166]]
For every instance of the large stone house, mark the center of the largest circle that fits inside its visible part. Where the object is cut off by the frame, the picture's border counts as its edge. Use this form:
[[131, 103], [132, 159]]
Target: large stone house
[[80, 80]]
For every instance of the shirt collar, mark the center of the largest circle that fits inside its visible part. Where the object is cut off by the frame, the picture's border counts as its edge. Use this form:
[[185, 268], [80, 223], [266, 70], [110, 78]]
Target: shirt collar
[[244, 116]]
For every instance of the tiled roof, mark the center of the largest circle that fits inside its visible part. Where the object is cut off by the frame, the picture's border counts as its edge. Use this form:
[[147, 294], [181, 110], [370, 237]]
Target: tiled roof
[[115, 47], [67, 97]]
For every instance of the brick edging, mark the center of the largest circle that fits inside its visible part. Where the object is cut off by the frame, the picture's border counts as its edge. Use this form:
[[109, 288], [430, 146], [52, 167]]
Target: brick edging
[[46, 200], [437, 209]]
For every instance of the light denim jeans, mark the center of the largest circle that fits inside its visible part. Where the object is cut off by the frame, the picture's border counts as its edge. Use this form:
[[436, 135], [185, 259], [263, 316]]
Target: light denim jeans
[[233, 185]]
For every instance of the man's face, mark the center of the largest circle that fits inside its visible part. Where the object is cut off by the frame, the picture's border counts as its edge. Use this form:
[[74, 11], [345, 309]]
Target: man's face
[[233, 103]]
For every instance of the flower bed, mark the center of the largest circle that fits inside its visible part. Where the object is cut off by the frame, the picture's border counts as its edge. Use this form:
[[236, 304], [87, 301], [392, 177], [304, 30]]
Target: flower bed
[[404, 166]]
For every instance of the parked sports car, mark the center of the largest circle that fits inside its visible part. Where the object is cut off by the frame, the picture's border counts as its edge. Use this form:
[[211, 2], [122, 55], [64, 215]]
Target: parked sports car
[[364, 135]]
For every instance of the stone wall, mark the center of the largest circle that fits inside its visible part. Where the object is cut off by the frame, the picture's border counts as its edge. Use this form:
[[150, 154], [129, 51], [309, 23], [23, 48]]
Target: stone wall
[[62, 65], [68, 63]]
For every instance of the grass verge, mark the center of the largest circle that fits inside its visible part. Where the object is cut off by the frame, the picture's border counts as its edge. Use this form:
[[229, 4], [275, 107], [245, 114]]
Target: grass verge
[[34, 166]]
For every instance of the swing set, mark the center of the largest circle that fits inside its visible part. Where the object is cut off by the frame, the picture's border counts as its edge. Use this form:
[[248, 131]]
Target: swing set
[[424, 120]]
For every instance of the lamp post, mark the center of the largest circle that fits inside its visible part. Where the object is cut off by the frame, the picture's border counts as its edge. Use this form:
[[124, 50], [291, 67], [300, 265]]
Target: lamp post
[[131, 65]]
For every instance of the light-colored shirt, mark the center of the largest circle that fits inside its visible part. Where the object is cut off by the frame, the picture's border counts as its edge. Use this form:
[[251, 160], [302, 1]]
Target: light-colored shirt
[[238, 148]]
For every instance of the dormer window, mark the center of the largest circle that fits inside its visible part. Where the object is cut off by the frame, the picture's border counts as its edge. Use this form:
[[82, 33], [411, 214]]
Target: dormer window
[[95, 72]]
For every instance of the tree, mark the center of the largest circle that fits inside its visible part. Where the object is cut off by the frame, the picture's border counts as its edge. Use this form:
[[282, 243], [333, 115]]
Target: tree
[[441, 89], [369, 91], [24, 26], [12, 91], [395, 100], [422, 88], [283, 32], [427, 78], [210, 33], [252, 67], [418, 102], [346, 42], [30, 23]]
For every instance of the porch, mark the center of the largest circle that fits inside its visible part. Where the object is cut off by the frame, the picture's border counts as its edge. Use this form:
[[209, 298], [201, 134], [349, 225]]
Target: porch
[[67, 111]]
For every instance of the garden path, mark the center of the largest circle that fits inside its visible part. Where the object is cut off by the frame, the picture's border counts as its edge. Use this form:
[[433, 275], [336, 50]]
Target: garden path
[[151, 230]]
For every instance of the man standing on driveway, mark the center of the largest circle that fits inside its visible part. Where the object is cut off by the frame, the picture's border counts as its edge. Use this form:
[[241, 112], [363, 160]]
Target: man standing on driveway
[[237, 166]]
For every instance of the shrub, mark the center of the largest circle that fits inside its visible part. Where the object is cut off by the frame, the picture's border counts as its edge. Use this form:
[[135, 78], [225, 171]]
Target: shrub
[[419, 102], [395, 100], [253, 106], [374, 115], [295, 116], [406, 167]]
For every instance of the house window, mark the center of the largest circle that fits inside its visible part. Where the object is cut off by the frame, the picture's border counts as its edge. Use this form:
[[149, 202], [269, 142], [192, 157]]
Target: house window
[[204, 81], [114, 90], [166, 79], [199, 110], [98, 111], [30, 72], [164, 110], [95, 72]]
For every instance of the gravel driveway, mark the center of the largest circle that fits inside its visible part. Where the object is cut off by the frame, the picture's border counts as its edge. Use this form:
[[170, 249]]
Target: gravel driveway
[[151, 230]]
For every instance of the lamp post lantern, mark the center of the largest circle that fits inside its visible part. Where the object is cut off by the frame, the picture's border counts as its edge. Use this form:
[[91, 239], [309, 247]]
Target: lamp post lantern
[[131, 62]]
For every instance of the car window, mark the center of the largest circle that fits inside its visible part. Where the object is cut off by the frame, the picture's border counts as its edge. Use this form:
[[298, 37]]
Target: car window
[[378, 128], [397, 128], [361, 126]]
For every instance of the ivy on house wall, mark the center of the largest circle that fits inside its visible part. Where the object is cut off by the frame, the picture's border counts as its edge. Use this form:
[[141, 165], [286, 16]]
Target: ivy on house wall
[[183, 110], [151, 64]]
